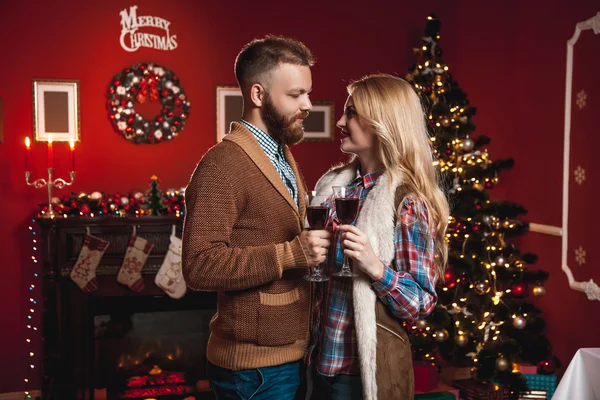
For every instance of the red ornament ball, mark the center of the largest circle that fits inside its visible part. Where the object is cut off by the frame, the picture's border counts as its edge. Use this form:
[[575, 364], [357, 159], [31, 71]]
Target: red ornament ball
[[450, 278], [518, 290], [547, 366]]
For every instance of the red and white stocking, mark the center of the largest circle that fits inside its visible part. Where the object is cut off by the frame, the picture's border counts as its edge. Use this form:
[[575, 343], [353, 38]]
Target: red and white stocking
[[169, 278], [130, 273], [84, 271]]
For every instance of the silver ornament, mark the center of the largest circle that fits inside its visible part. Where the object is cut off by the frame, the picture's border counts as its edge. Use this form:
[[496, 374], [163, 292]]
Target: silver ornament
[[502, 363], [421, 324], [519, 322], [468, 144], [486, 219], [441, 335]]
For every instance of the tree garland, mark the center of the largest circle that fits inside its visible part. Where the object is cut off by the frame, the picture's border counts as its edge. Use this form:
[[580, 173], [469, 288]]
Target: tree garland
[[138, 84]]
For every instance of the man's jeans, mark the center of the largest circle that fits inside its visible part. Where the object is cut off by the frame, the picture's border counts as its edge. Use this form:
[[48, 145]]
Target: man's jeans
[[279, 382]]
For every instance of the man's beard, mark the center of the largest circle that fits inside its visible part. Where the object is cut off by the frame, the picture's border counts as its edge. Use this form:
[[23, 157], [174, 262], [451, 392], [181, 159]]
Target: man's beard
[[282, 128]]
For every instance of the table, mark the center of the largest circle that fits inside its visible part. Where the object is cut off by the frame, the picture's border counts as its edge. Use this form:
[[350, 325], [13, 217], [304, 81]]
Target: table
[[581, 381]]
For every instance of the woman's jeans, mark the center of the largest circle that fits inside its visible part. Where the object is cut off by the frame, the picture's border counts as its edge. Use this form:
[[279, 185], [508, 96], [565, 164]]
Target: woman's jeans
[[338, 387]]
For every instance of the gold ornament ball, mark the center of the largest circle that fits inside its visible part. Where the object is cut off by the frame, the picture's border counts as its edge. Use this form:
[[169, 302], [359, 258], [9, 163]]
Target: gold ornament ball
[[519, 322], [446, 122], [461, 340], [421, 324], [481, 287], [538, 290], [478, 186], [502, 363], [441, 335]]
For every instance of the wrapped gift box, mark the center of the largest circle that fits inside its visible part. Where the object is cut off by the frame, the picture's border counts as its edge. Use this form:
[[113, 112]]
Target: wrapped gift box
[[526, 368], [541, 382], [451, 374], [441, 388], [435, 396], [470, 389], [426, 377]]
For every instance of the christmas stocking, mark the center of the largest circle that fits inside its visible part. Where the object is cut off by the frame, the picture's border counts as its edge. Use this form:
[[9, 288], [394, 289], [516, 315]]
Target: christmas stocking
[[84, 271], [169, 278], [130, 273]]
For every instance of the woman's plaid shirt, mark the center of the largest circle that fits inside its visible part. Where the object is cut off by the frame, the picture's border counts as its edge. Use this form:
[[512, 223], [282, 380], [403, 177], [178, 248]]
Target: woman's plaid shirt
[[407, 286]]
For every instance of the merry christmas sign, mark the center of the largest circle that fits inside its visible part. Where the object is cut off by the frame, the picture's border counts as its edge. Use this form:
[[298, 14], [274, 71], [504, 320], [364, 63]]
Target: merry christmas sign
[[132, 38]]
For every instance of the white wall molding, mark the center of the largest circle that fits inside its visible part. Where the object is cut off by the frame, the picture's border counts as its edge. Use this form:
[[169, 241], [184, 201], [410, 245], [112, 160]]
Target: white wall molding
[[589, 288], [547, 229]]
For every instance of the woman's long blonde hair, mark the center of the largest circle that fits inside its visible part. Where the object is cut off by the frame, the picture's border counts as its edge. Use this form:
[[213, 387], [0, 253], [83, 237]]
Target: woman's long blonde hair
[[391, 107]]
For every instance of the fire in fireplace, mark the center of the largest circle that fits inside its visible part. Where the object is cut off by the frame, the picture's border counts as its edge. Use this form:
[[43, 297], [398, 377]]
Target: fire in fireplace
[[151, 354]]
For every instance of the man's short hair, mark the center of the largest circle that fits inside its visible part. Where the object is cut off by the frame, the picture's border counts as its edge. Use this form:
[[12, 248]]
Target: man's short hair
[[261, 56]]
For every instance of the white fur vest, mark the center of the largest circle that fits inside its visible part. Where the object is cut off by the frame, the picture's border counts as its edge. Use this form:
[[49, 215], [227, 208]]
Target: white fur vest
[[377, 220]]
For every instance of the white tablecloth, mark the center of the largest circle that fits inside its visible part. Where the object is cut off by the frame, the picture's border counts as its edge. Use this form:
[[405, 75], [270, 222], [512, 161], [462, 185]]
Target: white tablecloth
[[581, 381]]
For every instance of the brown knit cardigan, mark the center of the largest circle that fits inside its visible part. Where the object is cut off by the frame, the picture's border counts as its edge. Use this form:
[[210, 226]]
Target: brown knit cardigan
[[240, 239]]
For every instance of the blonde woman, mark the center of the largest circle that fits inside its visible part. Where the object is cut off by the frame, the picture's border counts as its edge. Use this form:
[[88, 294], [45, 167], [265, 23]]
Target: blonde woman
[[396, 245]]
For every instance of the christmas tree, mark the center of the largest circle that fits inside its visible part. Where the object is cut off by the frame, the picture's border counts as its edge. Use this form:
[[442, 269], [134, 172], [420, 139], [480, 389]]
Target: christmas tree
[[483, 319], [154, 199]]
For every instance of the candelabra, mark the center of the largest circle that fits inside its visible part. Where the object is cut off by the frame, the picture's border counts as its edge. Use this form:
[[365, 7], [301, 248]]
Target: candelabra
[[50, 183]]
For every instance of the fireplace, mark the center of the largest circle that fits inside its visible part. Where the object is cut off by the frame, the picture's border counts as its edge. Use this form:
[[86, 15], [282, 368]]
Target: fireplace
[[115, 343]]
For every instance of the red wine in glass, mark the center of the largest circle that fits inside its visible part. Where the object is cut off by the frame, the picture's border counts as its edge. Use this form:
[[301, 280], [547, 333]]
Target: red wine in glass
[[317, 216], [346, 209]]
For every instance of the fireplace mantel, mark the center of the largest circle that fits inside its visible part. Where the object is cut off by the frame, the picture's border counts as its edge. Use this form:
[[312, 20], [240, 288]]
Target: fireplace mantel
[[67, 323]]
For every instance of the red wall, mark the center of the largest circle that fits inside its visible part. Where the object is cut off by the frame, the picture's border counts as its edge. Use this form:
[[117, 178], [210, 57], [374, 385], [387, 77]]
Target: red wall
[[509, 58]]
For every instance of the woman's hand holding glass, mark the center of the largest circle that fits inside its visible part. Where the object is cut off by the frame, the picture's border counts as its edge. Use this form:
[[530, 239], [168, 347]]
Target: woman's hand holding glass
[[357, 246]]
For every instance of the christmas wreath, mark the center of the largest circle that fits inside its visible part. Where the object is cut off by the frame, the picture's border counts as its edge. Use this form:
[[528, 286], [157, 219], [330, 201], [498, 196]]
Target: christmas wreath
[[138, 84]]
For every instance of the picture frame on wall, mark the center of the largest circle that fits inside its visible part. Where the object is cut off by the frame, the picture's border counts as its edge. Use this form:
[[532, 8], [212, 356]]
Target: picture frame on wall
[[56, 110], [229, 108], [319, 126]]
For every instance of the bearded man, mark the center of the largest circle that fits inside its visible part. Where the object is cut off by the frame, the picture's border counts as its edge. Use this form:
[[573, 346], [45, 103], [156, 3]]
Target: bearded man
[[244, 233]]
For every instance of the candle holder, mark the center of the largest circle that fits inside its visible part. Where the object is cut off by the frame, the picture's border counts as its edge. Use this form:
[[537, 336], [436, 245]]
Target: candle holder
[[50, 183]]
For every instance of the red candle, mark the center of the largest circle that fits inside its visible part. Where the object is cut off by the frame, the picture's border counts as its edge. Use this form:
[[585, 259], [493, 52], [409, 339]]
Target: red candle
[[72, 154], [27, 154], [50, 153]]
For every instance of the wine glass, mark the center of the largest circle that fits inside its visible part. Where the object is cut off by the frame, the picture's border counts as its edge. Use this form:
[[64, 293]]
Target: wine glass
[[346, 209], [317, 215]]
